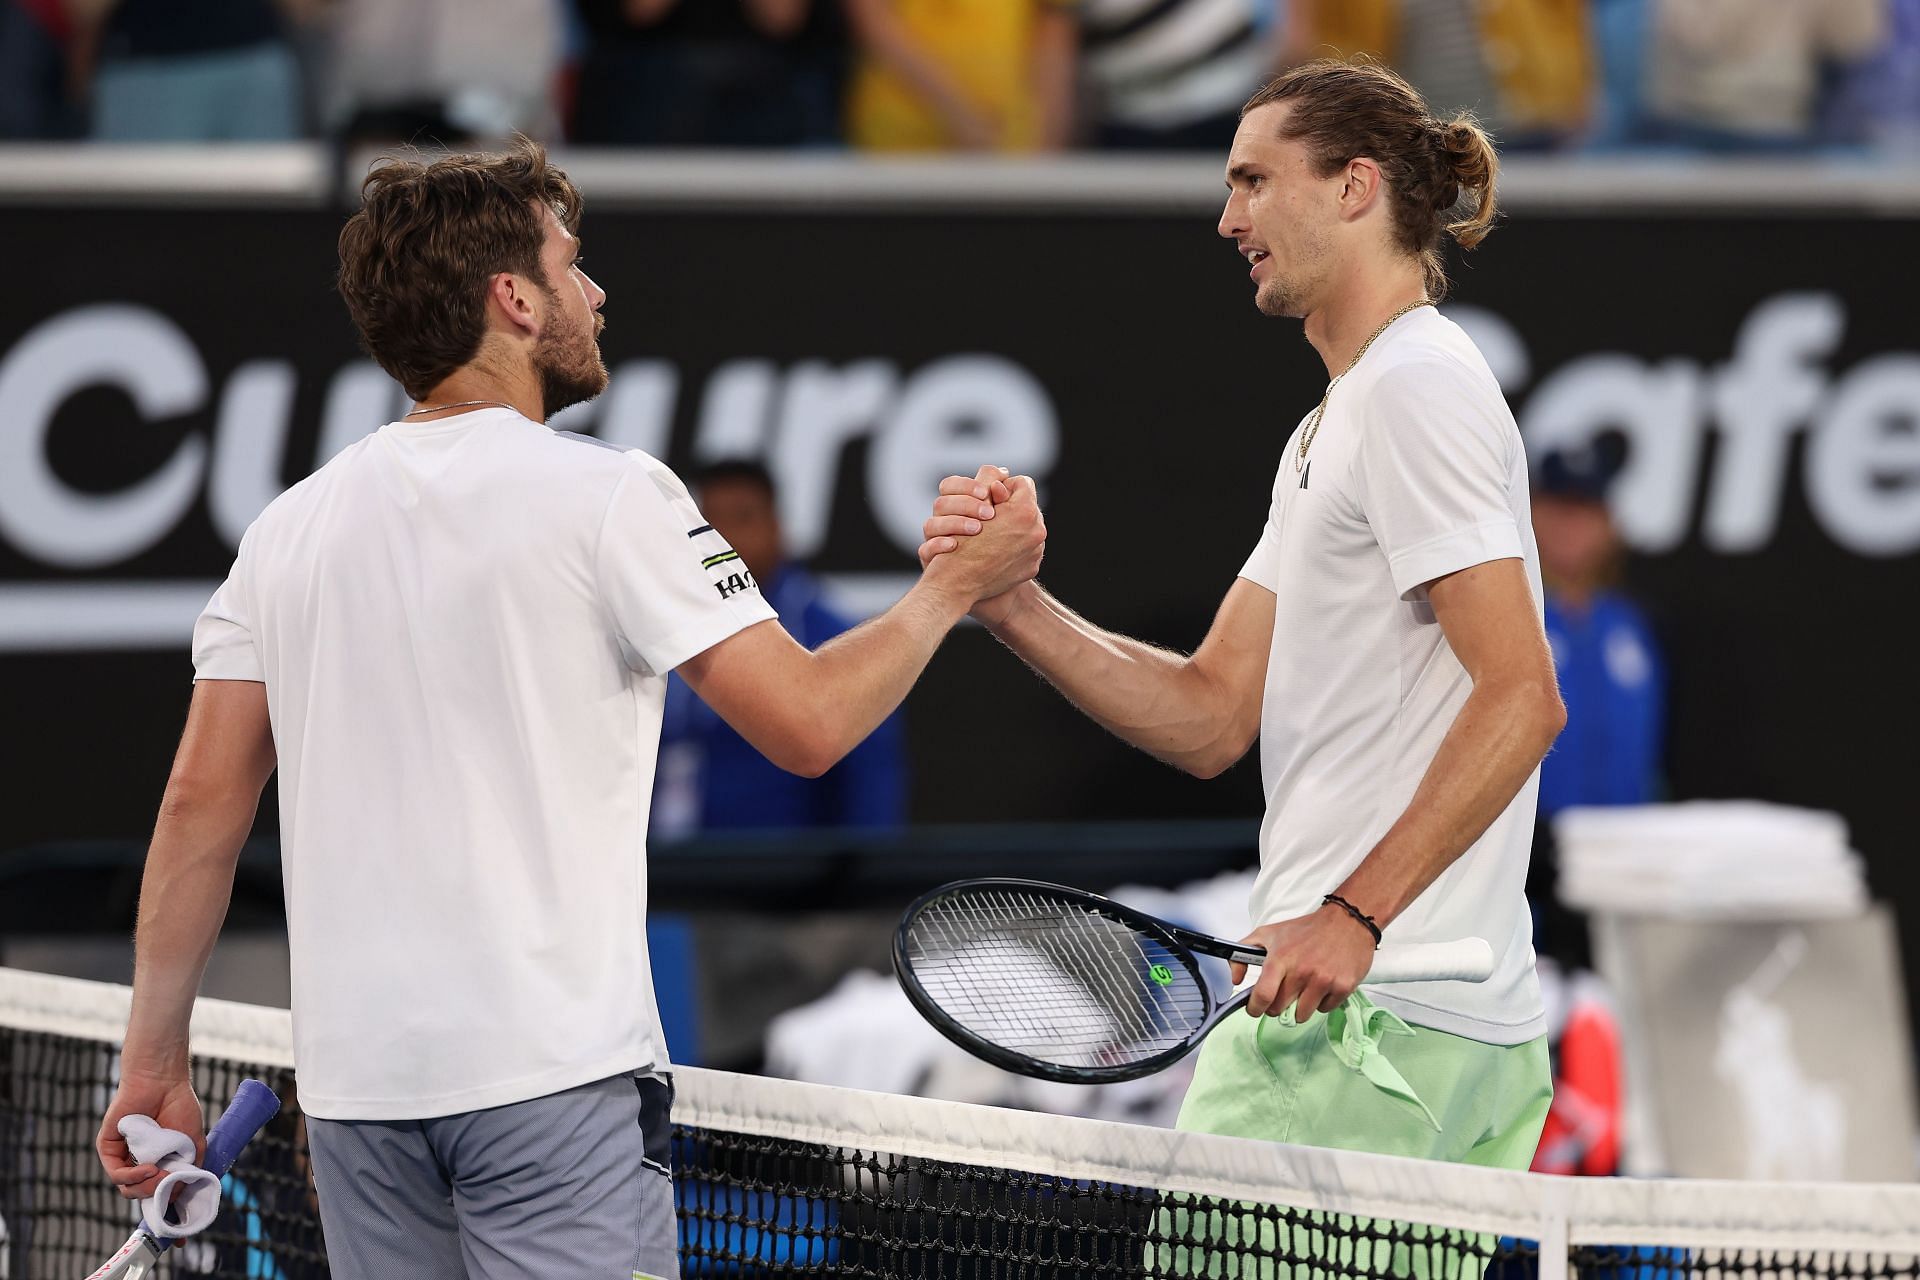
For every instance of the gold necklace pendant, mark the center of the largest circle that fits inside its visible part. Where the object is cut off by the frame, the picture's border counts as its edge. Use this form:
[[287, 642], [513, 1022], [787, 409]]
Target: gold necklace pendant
[[1320, 411]]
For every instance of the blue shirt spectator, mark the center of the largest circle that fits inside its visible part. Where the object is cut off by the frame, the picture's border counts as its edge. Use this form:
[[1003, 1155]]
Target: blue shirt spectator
[[1614, 685], [1611, 674], [1612, 677], [712, 779]]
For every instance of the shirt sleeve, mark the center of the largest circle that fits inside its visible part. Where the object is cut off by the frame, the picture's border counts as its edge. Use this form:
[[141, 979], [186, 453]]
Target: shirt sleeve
[[223, 647], [1263, 566], [1436, 474], [672, 585]]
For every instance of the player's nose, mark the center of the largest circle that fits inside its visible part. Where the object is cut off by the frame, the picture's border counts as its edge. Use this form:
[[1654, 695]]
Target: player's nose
[[1233, 219]]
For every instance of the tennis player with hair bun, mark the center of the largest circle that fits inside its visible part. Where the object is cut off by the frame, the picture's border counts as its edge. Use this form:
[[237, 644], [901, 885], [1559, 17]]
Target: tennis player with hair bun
[[1383, 642], [453, 641]]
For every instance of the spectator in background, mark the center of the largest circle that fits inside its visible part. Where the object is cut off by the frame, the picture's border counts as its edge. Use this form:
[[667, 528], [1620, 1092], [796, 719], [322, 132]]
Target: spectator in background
[[1613, 682], [190, 70], [678, 73], [442, 70], [1620, 39], [962, 75], [1524, 68], [709, 778], [1175, 75], [1878, 101], [1745, 74], [36, 100], [1612, 676]]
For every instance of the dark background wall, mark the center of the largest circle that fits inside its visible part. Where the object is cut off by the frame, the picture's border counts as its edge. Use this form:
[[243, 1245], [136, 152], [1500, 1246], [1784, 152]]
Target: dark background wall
[[1765, 372]]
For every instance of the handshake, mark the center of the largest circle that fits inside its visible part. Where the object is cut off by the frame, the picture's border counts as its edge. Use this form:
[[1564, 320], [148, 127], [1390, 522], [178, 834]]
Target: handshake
[[984, 540]]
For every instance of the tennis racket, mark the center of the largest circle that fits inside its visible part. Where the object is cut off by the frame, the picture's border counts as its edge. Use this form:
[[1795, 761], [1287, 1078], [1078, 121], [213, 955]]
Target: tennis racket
[[253, 1105], [1065, 985]]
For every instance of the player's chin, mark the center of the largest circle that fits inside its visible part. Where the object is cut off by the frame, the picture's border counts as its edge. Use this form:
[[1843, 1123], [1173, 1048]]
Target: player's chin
[[1272, 302]]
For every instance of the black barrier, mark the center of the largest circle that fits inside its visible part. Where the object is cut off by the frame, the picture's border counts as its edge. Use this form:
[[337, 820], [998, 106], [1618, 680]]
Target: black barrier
[[164, 372]]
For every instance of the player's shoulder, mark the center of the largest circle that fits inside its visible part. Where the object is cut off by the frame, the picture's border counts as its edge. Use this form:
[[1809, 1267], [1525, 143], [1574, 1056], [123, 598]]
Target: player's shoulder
[[1433, 377], [1431, 354], [619, 464], [311, 489], [584, 453]]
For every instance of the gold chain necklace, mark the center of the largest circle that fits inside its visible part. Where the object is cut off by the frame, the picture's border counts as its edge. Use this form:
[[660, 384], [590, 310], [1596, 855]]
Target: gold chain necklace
[[1313, 423], [463, 404]]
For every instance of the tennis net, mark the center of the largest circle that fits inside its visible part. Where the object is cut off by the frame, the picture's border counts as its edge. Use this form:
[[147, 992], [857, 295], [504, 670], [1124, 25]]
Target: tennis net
[[778, 1178]]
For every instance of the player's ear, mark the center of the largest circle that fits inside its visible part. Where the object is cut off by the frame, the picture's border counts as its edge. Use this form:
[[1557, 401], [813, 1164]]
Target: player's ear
[[512, 296], [1361, 187]]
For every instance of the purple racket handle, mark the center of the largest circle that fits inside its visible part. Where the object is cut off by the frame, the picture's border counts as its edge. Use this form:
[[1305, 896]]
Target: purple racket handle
[[253, 1105]]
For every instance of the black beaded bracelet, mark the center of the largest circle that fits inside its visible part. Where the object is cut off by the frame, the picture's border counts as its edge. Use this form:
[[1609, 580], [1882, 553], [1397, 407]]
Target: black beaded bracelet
[[1365, 919]]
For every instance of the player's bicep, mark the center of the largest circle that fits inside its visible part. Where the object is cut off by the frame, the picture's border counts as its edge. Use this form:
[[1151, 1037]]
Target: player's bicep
[[227, 748], [754, 680], [1233, 657], [1488, 615]]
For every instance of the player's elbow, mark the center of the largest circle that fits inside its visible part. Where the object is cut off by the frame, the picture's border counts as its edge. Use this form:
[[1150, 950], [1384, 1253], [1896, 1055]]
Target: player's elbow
[[1553, 712], [1537, 705], [1217, 756], [1205, 767], [809, 764], [193, 793], [807, 750]]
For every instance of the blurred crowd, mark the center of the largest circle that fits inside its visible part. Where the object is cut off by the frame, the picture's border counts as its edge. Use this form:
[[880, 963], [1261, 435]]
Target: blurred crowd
[[921, 75]]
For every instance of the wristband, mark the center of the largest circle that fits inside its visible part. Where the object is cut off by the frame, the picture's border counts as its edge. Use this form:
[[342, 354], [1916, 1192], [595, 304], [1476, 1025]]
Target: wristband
[[1366, 921]]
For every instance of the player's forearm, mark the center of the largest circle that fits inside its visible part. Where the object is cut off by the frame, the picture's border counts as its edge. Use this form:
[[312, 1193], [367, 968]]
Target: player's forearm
[[1494, 745], [1152, 698], [858, 678], [183, 900]]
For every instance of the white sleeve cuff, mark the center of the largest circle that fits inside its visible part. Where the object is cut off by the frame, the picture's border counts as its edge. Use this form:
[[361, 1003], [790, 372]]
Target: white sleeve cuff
[[1449, 553], [662, 656]]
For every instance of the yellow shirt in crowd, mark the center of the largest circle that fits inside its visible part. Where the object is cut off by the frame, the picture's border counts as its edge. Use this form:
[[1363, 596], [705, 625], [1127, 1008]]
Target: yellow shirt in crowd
[[986, 46]]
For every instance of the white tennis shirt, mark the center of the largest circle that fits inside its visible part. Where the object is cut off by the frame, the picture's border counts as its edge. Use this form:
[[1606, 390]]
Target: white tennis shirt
[[465, 629], [1416, 472]]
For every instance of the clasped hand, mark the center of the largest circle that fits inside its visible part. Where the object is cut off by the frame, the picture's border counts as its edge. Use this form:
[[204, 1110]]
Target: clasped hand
[[987, 527]]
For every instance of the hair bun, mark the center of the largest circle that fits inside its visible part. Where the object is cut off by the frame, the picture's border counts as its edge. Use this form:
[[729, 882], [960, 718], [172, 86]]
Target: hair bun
[[1470, 164]]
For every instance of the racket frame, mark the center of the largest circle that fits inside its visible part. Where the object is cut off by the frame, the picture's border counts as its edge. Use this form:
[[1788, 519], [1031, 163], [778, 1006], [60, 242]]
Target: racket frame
[[1465, 960], [1182, 944]]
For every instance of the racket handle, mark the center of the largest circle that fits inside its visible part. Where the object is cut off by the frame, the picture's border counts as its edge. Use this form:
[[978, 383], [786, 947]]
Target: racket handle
[[1462, 960], [252, 1106]]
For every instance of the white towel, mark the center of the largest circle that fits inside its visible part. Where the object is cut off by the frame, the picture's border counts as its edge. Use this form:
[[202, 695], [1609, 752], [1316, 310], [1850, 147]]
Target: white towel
[[190, 1192]]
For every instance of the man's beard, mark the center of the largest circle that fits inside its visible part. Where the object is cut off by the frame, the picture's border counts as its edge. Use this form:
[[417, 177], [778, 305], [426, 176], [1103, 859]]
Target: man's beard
[[569, 366], [1278, 297]]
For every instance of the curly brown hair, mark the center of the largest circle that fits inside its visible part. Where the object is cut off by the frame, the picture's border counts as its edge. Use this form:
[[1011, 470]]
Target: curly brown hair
[[416, 258], [1345, 110]]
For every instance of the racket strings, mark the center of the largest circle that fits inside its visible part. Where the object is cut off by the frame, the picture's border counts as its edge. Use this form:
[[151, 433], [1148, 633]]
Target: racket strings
[[1054, 981]]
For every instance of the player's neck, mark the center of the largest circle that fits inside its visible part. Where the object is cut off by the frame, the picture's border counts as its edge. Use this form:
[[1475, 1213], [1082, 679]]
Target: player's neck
[[1354, 311], [519, 391]]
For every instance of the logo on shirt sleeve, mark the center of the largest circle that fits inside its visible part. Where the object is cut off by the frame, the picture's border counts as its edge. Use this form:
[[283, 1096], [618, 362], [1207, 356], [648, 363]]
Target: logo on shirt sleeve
[[724, 568]]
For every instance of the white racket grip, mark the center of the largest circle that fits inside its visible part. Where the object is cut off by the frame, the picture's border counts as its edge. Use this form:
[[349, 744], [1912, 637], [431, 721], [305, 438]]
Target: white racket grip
[[1462, 960]]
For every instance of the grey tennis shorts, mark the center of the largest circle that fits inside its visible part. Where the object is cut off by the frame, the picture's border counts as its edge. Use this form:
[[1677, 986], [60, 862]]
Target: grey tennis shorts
[[572, 1186]]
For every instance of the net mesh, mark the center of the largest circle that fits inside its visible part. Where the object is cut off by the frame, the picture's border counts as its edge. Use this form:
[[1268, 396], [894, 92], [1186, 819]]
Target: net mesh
[[775, 1178]]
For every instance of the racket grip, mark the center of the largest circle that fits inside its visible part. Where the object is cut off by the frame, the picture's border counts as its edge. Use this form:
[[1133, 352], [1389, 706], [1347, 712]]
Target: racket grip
[[1462, 960], [252, 1106]]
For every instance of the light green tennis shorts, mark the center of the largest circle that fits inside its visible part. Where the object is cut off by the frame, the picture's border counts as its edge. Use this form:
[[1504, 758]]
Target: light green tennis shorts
[[1361, 1079]]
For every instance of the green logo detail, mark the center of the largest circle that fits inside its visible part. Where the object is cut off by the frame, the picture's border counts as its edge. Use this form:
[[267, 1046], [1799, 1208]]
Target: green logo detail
[[1161, 974]]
